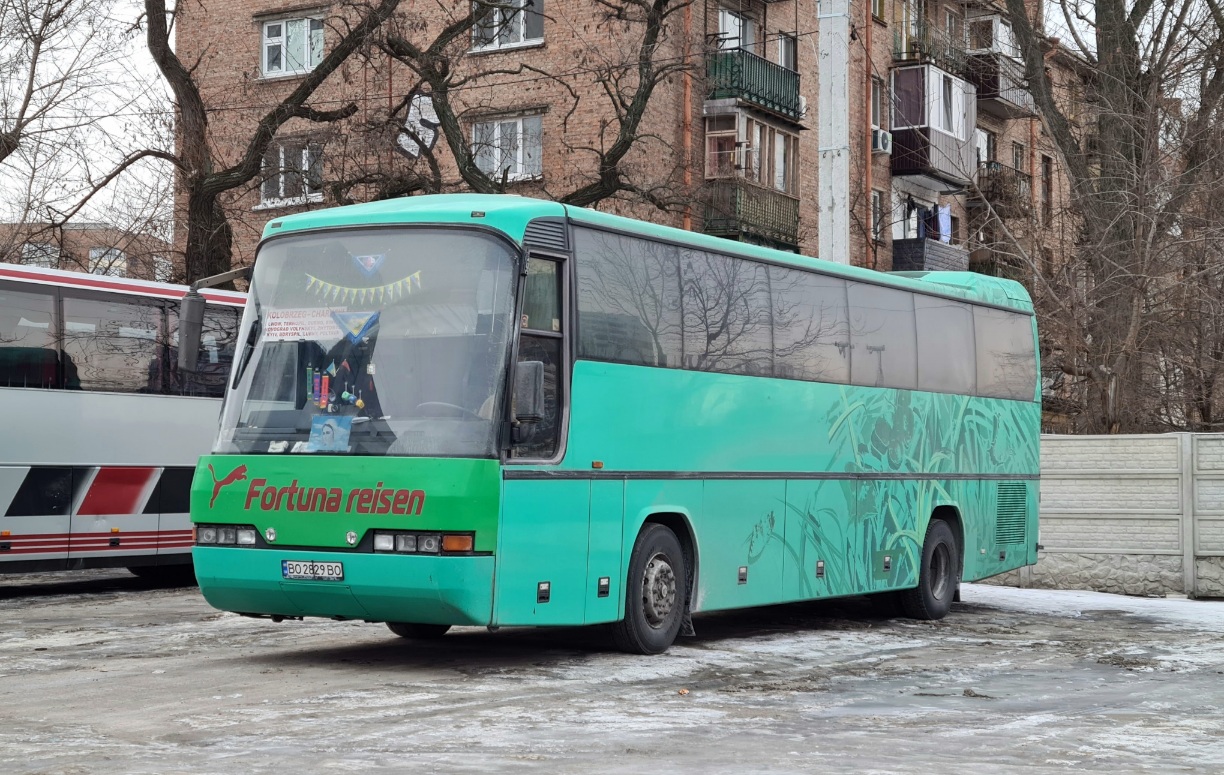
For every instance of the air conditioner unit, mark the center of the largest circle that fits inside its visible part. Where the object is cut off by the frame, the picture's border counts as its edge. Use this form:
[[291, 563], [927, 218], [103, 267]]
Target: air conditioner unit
[[881, 141]]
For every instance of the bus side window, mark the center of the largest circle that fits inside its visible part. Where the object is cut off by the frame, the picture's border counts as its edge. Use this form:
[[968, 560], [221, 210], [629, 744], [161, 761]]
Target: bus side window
[[214, 359], [540, 340], [113, 342], [28, 356]]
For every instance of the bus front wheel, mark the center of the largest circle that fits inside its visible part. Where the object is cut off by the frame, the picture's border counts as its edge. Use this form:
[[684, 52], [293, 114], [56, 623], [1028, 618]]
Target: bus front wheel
[[418, 631], [654, 593], [938, 577]]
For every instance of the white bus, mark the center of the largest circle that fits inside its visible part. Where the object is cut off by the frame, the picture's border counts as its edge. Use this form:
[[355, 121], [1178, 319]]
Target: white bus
[[103, 431]]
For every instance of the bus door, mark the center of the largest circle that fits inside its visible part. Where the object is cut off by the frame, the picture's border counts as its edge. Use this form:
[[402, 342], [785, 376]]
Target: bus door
[[110, 518]]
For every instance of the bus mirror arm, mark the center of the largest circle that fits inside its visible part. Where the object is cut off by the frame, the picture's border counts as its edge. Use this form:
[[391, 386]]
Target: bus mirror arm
[[191, 317]]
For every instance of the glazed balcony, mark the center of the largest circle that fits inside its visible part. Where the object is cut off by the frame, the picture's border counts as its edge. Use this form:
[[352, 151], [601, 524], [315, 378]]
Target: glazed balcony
[[744, 76], [738, 209]]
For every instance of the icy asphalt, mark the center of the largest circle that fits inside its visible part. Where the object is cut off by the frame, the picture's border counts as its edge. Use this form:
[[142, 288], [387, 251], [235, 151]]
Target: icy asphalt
[[100, 673]]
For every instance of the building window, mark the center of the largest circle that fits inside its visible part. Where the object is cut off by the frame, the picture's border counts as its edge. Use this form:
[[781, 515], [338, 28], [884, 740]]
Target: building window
[[736, 31], [509, 148], [292, 46], [926, 96], [877, 216], [788, 51], [955, 229], [517, 23], [293, 174], [953, 26], [771, 157], [1018, 157], [108, 261], [1047, 189], [878, 111], [722, 147], [877, 9], [40, 254], [985, 145]]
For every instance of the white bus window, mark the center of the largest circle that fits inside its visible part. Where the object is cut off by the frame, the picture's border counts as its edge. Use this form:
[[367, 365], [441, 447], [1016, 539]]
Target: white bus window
[[213, 361], [112, 345], [28, 357]]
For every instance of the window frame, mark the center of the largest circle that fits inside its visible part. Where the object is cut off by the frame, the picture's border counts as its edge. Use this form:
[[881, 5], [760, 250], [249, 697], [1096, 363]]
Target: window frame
[[566, 345], [310, 193], [521, 10], [519, 173], [312, 57]]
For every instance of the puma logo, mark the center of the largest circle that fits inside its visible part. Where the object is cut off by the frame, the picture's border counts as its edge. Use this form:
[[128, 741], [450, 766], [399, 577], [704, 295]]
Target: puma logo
[[237, 475]]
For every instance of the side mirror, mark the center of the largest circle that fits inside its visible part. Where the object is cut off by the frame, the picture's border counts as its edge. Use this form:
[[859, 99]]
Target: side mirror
[[529, 392], [190, 329]]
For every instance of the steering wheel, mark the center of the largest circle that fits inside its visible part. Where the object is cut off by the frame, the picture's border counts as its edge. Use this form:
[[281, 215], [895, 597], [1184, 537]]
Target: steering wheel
[[443, 409]]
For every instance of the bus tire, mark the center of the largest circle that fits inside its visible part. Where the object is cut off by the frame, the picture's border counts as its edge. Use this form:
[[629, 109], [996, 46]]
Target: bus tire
[[655, 593], [418, 631], [937, 579], [170, 575]]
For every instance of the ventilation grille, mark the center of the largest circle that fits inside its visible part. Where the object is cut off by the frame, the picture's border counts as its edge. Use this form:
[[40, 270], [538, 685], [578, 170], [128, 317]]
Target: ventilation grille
[[546, 235], [1013, 505]]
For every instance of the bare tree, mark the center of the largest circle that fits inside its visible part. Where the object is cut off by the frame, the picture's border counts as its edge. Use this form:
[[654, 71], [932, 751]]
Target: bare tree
[[616, 72], [1153, 67]]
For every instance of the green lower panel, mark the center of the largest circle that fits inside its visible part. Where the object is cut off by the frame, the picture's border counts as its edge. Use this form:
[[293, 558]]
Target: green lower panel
[[427, 590]]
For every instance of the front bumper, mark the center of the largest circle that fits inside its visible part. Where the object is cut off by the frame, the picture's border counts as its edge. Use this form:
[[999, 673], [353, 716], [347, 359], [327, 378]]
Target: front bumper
[[376, 587]]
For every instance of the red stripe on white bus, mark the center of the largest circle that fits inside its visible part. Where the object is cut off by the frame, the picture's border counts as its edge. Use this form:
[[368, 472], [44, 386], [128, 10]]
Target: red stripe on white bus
[[118, 491]]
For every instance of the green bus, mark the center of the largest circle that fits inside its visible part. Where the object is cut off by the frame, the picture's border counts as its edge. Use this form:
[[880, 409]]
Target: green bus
[[500, 411]]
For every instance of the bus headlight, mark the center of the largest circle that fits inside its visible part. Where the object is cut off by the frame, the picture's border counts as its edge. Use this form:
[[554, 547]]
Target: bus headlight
[[226, 535], [384, 542], [429, 544], [405, 543]]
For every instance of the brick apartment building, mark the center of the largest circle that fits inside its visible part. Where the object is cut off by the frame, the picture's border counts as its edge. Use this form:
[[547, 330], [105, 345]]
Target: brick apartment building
[[948, 166], [89, 247]]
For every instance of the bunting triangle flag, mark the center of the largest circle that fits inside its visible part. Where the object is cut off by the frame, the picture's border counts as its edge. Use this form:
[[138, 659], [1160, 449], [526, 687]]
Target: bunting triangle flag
[[355, 324]]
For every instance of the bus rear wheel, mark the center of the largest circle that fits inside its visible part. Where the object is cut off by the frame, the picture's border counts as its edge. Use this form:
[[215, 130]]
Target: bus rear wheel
[[938, 578], [418, 631], [654, 593]]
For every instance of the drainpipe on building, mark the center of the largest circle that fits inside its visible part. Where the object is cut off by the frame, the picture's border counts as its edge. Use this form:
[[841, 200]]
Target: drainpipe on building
[[687, 127], [833, 130]]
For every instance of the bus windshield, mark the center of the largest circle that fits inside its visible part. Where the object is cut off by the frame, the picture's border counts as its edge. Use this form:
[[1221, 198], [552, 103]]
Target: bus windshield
[[373, 342]]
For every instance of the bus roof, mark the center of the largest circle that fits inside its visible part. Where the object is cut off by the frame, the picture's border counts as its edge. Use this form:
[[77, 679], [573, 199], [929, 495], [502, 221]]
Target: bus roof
[[510, 214], [94, 282]]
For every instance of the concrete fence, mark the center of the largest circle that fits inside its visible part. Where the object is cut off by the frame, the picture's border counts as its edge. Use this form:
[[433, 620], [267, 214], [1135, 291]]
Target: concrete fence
[[1138, 515]]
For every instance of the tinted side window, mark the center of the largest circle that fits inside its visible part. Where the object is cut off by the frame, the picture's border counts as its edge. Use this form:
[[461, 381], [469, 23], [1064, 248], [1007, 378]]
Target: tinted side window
[[811, 327], [1006, 361], [112, 344], [542, 305], [726, 314], [882, 334], [946, 357], [28, 356], [628, 300]]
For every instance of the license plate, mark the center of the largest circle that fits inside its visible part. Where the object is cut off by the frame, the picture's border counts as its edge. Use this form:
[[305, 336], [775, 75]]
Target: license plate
[[312, 571]]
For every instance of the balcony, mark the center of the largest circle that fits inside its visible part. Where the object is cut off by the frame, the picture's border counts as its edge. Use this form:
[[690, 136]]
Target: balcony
[[1000, 85], [737, 209], [744, 76], [1008, 191], [928, 255], [924, 44], [934, 113]]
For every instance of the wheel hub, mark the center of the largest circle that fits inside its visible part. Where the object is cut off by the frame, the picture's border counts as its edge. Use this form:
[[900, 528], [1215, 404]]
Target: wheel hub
[[658, 590]]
